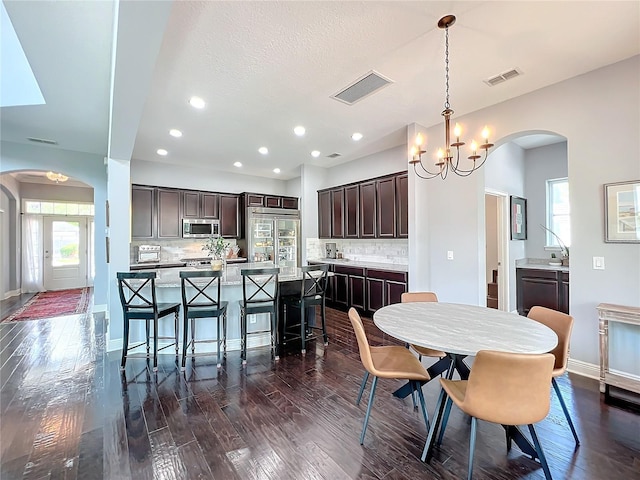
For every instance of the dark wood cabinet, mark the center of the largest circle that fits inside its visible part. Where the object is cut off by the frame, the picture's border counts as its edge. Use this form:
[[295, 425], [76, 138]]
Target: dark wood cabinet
[[340, 289], [324, 214], [402, 206], [357, 291], [386, 207], [169, 213], [545, 288], [230, 216], [368, 205], [384, 288], [376, 208], [199, 204], [143, 212], [272, 202], [337, 213], [253, 200], [290, 203], [352, 211]]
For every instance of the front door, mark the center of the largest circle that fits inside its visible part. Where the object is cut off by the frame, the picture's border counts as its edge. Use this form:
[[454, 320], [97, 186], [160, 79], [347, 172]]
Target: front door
[[65, 252]]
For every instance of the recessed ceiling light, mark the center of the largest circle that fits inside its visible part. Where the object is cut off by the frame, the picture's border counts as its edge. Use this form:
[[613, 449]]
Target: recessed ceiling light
[[174, 132], [356, 136], [237, 164], [299, 130], [263, 150], [196, 102], [162, 152], [276, 170], [315, 153]]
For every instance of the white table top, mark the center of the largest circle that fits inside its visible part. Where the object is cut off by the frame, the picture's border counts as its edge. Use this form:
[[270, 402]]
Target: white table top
[[464, 329]]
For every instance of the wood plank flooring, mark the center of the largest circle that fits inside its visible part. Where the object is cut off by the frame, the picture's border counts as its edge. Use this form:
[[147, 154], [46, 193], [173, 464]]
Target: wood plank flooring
[[67, 412]]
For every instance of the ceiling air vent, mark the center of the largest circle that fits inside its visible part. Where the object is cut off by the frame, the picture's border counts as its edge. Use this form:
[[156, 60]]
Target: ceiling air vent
[[363, 87], [334, 155], [42, 140], [503, 77]]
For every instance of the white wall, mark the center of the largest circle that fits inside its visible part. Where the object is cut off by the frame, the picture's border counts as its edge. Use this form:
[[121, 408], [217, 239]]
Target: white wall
[[180, 176], [599, 151], [541, 164], [11, 238], [376, 165], [86, 167]]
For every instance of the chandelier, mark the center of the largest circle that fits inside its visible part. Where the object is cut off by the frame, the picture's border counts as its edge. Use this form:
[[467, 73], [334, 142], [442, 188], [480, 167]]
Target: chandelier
[[57, 177], [446, 161]]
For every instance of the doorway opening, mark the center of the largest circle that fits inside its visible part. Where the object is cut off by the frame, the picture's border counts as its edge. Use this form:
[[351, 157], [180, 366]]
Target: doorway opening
[[497, 248]]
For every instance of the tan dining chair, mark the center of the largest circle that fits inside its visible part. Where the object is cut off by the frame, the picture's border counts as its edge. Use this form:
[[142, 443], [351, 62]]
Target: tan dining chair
[[505, 388], [386, 362], [561, 324], [409, 297]]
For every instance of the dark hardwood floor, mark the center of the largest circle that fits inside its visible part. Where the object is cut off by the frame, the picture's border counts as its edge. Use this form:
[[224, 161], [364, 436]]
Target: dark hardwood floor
[[67, 412]]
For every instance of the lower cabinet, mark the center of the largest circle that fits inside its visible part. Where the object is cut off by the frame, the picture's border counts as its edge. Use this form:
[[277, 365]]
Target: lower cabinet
[[545, 288], [365, 289]]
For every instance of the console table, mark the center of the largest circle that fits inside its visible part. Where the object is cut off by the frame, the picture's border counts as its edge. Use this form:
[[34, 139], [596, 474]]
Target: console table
[[607, 314]]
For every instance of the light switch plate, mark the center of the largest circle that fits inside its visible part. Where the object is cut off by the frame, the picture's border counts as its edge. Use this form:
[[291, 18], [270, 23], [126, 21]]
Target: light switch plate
[[450, 255], [598, 263]]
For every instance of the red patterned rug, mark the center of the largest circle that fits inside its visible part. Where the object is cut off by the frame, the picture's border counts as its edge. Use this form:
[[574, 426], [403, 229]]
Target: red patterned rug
[[53, 304]]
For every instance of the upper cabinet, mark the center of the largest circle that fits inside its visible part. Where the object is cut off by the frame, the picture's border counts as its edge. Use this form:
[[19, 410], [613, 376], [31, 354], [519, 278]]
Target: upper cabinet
[[230, 216], [143, 212], [200, 204], [270, 201], [375, 208], [169, 213]]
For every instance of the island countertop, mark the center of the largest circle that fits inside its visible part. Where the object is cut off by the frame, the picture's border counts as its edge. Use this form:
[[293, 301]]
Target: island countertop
[[391, 267]]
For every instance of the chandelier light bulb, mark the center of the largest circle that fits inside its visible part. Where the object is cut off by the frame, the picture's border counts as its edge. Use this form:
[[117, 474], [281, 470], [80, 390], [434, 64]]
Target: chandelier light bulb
[[457, 130], [419, 140], [474, 147], [485, 134]]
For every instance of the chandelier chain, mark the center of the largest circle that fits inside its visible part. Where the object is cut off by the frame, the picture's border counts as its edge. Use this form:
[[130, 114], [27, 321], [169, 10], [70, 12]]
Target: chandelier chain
[[446, 67]]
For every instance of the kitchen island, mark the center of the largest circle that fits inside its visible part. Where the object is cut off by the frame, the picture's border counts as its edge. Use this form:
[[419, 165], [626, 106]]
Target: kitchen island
[[168, 289]]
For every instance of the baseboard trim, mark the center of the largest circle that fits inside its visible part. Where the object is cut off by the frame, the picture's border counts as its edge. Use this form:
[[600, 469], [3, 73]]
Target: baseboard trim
[[12, 293], [583, 368], [253, 341]]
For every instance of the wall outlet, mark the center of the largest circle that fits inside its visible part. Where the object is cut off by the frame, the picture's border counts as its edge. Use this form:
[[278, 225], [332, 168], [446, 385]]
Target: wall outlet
[[450, 255], [598, 263]]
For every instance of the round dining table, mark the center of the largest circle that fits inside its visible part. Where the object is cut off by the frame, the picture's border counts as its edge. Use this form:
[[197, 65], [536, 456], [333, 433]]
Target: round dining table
[[460, 331]]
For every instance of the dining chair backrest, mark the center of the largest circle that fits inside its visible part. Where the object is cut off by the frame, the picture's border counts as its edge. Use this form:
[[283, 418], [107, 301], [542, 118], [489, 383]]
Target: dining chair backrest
[[137, 291], [561, 324], [363, 343], [259, 285], [509, 388], [201, 288], [314, 281], [408, 297]]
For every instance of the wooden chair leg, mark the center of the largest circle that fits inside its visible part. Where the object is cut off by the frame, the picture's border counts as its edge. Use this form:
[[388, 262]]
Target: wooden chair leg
[[218, 341], [366, 417], [176, 330], [185, 324], [323, 314], [155, 344], [364, 382], [243, 337], [147, 324], [303, 327], [125, 343]]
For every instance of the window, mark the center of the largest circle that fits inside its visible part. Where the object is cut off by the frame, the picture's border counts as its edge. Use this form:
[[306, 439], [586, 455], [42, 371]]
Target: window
[[558, 212], [58, 208]]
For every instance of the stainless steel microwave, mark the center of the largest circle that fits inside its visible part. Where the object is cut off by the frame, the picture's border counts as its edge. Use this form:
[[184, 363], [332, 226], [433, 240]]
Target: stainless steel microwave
[[200, 228]]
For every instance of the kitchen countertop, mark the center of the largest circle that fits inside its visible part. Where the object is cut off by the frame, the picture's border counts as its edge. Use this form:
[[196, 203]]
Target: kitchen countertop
[[155, 266], [544, 266], [170, 277], [391, 267]]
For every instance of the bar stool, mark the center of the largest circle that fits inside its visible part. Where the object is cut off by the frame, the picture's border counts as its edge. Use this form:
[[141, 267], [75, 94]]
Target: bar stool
[[201, 299], [313, 290], [138, 298], [260, 293]]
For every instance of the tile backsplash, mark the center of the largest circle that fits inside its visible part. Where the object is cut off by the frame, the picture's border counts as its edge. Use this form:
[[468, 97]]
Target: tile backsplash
[[173, 250], [376, 250]]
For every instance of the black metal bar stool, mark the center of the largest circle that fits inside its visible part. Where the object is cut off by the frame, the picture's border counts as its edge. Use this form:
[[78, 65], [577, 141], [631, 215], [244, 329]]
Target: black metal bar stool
[[201, 299], [138, 298], [259, 295], [313, 289]]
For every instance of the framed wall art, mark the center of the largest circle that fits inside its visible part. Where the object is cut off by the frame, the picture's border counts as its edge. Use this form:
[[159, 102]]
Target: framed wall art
[[622, 212], [518, 218]]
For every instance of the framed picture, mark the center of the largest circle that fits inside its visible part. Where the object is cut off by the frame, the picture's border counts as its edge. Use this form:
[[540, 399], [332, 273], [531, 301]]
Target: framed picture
[[518, 218], [622, 212]]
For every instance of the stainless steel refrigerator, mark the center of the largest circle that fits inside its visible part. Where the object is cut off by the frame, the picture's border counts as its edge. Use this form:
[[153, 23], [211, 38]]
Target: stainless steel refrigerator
[[273, 235]]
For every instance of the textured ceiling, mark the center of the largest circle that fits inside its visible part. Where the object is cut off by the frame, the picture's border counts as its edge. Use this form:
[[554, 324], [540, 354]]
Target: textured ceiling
[[265, 67]]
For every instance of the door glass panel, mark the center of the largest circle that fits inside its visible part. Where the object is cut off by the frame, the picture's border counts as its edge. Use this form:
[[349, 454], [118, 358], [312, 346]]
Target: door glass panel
[[65, 243]]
